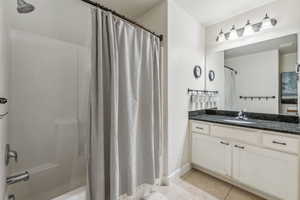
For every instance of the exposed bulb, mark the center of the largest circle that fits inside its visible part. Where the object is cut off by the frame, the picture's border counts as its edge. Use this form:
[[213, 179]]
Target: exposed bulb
[[221, 37], [248, 29], [266, 23], [233, 34]]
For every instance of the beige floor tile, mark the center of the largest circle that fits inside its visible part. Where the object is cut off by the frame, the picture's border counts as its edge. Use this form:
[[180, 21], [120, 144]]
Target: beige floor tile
[[196, 185], [238, 194], [209, 184], [188, 173]]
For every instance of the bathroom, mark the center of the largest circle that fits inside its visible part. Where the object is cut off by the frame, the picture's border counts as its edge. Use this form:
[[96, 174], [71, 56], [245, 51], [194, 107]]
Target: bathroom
[[223, 103]]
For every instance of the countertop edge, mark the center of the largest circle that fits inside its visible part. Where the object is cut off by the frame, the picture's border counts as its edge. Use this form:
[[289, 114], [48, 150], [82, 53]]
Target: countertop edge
[[247, 126]]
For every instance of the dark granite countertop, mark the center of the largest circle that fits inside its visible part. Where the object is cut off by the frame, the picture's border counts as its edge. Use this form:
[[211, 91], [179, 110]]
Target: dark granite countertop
[[269, 122]]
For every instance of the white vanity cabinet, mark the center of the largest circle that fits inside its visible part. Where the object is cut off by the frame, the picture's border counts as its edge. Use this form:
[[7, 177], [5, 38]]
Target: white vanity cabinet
[[265, 162], [212, 153], [269, 171]]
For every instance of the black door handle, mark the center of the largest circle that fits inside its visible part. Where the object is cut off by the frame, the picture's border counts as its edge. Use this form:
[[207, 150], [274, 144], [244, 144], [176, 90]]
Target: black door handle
[[281, 143], [238, 146], [225, 143]]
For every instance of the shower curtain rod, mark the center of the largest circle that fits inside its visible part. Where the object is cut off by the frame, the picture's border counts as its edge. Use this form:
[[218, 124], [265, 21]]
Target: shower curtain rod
[[122, 17], [231, 69]]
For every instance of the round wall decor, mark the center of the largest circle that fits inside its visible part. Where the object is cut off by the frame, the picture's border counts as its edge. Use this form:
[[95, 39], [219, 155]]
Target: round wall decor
[[211, 75], [197, 71]]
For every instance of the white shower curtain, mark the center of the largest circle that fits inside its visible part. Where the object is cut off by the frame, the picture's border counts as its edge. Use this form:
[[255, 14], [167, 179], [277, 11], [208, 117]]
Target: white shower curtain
[[230, 90], [125, 107]]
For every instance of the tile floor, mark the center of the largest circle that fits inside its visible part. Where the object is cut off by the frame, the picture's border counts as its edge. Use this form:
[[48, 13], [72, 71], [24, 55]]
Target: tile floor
[[217, 188], [196, 185]]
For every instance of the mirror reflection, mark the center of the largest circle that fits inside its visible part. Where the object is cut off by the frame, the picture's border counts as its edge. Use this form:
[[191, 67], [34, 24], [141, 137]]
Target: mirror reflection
[[262, 77]]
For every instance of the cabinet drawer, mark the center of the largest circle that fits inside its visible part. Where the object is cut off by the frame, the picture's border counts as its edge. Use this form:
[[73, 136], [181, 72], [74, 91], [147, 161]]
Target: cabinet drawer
[[248, 136], [281, 143], [200, 128]]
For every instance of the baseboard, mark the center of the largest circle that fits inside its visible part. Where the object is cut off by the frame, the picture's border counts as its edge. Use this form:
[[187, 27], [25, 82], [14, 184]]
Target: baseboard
[[180, 171]]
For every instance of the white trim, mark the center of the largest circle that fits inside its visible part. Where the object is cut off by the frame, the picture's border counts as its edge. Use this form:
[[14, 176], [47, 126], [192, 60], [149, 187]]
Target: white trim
[[180, 171]]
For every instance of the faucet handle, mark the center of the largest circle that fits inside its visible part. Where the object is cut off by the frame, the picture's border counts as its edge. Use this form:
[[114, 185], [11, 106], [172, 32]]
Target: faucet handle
[[24, 176], [10, 154], [11, 197]]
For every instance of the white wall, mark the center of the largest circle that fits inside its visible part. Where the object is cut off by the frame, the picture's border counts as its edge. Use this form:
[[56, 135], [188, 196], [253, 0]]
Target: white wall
[[258, 75], [3, 93], [156, 18], [215, 62], [287, 62], [186, 48], [286, 11]]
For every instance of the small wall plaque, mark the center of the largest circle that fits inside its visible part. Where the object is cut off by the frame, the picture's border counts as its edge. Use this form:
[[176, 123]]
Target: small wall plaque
[[211, 75], [197, 71]]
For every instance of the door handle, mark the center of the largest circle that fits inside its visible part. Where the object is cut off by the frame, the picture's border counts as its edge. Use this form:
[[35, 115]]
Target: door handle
[[238, 146], [225, 143], [281, 143]]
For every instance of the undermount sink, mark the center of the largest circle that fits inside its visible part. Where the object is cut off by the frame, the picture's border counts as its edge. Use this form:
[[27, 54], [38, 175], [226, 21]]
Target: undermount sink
[[238, 121]]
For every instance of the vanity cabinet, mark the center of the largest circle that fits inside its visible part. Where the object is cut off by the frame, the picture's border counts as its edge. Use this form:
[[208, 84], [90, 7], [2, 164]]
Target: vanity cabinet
[[269, 171], [264, 162], [212, 153]]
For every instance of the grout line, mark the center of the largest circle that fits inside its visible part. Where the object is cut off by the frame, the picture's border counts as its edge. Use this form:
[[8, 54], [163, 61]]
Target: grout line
[[228, 192]]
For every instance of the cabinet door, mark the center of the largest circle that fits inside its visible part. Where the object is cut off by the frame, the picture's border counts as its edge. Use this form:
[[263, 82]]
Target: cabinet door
[[212, 154], [271, 172]]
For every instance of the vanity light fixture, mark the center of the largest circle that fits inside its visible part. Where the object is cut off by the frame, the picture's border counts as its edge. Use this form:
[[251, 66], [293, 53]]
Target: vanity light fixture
[[266, 23], [221, 37], [248, 29], [233, 35]]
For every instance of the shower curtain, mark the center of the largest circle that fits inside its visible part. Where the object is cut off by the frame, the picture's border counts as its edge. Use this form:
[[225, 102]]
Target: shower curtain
[[125, 107], [230, 90]]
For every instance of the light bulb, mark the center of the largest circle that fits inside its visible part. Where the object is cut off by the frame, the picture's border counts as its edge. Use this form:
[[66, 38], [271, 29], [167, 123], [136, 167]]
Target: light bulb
[[221, 37], [266, 23], [248, 29], [233, 34]]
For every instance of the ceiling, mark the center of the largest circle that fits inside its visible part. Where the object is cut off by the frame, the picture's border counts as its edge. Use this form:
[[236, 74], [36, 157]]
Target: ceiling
[[207, 12], [130, 8], [285, 45], [210, 12]]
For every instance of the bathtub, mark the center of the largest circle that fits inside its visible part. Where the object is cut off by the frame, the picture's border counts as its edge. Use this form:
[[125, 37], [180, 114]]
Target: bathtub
[[78, 194]]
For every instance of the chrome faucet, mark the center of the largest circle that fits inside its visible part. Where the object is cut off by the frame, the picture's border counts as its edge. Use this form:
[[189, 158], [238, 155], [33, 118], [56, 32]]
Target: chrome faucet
[[24, 176], [242, 115]]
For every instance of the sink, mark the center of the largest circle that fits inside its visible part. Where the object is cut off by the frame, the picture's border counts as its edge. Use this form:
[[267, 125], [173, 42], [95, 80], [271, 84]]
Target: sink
[[238, 121]]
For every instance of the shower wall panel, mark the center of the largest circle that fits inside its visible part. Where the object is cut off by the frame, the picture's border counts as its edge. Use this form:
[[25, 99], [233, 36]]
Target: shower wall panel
[[48, 114]]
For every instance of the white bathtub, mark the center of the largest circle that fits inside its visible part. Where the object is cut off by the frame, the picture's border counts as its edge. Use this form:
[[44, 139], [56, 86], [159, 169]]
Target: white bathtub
[[78, 194]]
